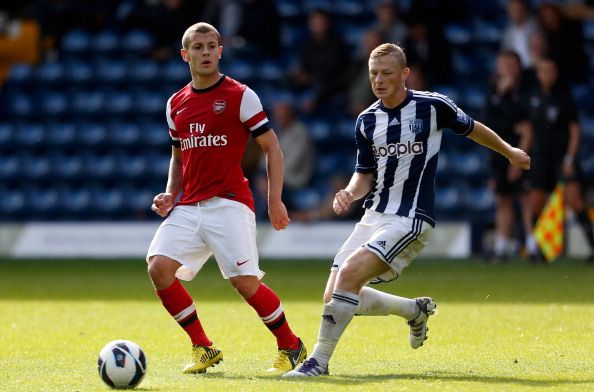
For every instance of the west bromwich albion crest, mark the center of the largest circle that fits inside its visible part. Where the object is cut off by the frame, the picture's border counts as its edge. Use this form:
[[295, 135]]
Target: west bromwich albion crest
[[415, 126]]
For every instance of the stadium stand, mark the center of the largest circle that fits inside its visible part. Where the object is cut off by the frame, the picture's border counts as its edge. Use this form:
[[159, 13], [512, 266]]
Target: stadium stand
[[83, 133]]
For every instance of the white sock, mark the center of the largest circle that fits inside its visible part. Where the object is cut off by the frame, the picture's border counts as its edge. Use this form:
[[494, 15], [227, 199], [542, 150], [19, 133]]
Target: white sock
[[377, 303], [501, 245], [531, 245], [338, 313]]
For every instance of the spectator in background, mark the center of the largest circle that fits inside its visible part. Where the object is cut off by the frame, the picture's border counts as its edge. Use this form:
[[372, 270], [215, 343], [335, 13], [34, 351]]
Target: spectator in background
[[539, 49], [166, 20], [360, 94], [520, 27], [250, 27], [565, 41], [324, 210], [428, 49], [298, 151], [416, 79], [507, 114], [388, 22], [556, 128], [323, 65]]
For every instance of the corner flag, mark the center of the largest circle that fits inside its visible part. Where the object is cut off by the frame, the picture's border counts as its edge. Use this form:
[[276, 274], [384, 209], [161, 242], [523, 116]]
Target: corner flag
[[549, 230]]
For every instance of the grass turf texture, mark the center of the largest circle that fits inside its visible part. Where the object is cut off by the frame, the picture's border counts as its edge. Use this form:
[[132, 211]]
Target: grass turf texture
[[500, 327]]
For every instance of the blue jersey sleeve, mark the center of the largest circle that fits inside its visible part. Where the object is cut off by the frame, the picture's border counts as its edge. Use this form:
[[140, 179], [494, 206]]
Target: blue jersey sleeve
[[451, 116], [365, 159]]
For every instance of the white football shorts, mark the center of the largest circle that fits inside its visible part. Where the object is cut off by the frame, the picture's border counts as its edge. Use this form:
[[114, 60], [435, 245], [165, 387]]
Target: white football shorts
[[217, 226], [396, 240]]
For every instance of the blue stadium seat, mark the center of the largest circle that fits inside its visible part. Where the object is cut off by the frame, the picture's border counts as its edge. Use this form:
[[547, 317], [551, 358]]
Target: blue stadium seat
[[175, 71], [292, 36], [137, 200], [109, 71], [13, 204], [270, 71], [29, 135], [118, 103], [105, 42], [320, 130], [480, 200], [448, 90], [155, 134], [487, 32], [148, 102], [108, 201], [584, 97], [54, 103], [588, 30], [44, 203], [76, 202], [449, 201], [19, 105], [474, 98], [50, 73], [67, 167], [307, 198], [88, 102], [289, 8], [458, 34], [471, 165], [20, 73], [91, 134], [35, 167], [137, 41], [241, 69], [158, 166], [310, 5], [126, 134], [9, 167], [7, 132], [132, 166], [61, 134], [100, 167], [78, 72], [144, 72], [76, 41]]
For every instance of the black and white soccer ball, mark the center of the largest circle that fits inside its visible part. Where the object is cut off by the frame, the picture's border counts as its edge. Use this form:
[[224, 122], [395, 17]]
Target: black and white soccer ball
[[121, 364]]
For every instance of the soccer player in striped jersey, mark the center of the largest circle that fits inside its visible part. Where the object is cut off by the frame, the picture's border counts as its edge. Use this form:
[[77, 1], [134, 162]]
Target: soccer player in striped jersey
[[398, 139], [208, 205]]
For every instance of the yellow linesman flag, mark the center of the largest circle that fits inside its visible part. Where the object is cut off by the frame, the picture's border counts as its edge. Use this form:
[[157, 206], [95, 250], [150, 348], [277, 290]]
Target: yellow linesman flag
[[549, 231]]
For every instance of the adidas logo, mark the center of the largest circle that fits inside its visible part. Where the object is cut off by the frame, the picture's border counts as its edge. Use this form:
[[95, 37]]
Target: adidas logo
[[329, 318], [382, 244], [394, 122]]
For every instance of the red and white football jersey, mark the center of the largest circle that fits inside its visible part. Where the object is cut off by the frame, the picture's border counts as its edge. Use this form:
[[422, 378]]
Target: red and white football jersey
[[212, 126]]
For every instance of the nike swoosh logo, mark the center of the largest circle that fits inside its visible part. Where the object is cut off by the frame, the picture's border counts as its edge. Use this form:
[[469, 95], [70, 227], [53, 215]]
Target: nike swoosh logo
[[181, 110], [240, 263]]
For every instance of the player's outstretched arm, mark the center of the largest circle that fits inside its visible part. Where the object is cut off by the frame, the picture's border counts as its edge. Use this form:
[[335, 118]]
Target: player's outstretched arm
[[277, 212], [359, 186], [486, 137], [163, 202]]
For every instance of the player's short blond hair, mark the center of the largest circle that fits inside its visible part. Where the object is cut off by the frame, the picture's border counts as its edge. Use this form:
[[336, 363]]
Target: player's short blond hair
[[200, 27], [390, 50]]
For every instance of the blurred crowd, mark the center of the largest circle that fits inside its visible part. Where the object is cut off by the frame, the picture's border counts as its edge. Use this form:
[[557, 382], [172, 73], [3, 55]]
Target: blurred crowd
[[539, 57]]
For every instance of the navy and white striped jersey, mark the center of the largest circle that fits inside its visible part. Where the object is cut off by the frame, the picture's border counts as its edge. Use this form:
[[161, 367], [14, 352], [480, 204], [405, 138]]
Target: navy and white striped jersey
[[400, 147]]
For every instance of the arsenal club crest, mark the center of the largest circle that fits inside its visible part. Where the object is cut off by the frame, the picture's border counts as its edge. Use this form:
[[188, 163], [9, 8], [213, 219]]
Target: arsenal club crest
[[218, 106]]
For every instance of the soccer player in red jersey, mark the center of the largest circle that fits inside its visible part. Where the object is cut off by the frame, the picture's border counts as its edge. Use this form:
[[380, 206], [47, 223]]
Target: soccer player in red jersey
[[207, 203]]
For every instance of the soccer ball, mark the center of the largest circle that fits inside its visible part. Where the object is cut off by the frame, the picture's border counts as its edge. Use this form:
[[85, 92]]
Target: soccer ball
[[121, 364]]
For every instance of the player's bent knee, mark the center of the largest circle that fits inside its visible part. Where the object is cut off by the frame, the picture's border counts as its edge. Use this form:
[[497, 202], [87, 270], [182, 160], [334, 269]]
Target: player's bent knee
[[246, 286], [161, 268]]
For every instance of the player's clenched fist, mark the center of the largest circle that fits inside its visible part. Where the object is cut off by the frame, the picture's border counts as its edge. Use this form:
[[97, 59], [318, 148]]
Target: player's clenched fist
[[342, 201], [162, 204]]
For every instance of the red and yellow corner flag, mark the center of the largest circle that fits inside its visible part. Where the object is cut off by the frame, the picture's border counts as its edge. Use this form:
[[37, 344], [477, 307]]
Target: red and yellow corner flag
[[550, 229]]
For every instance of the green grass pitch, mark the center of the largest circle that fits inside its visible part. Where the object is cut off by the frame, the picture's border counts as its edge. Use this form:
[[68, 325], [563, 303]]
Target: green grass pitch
[[512, 327]]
